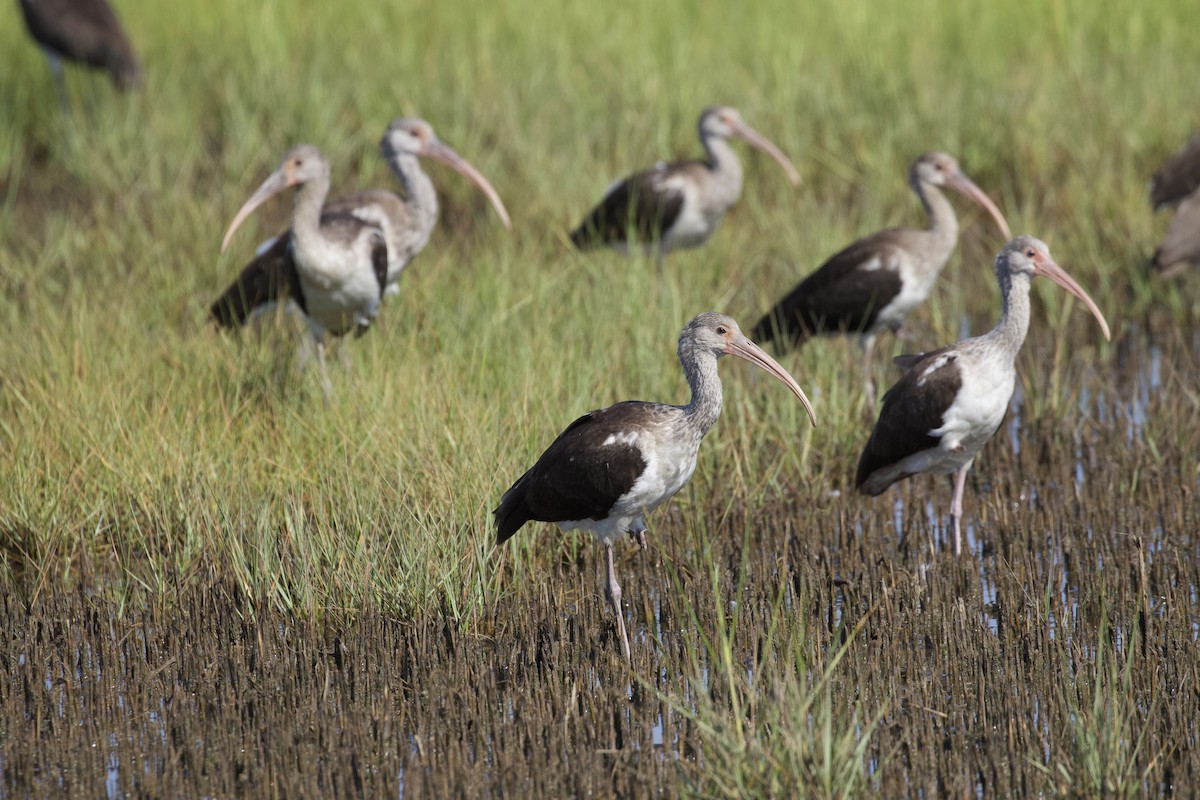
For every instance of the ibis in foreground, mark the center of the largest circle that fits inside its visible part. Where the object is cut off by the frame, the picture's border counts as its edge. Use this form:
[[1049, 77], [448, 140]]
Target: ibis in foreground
[[677, 205], [1177, 182], [335, 266], [874, 284], [85, 31], [950, 401], [406, 222], [612, 467]]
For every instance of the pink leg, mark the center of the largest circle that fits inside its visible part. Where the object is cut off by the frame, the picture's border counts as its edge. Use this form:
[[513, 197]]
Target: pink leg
[[868, 347], [960, 480], [614, 597]]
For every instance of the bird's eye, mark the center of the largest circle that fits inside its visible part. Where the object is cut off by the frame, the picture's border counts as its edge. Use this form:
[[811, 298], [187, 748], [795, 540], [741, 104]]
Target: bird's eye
[[1030, 253], [722, 330]]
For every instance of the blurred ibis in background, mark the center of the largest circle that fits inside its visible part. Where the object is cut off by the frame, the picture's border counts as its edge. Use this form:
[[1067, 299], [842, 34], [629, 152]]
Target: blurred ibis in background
[[873, 284], [85, 31], [334, 266], [677, 205], [406, 222], [1177, 182]]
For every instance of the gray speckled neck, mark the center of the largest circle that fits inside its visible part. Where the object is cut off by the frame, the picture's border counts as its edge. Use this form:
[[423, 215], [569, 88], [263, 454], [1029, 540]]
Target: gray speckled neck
[[700, 370], [726, 170]]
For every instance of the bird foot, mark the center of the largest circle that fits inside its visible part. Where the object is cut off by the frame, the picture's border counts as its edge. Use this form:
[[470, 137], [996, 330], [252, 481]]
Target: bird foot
[[638, 534]]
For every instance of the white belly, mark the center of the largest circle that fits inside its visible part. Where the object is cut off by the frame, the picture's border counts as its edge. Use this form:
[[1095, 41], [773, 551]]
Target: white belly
[[970, 422], [914, 290], [340, 299], [692, 227], [667, 471]]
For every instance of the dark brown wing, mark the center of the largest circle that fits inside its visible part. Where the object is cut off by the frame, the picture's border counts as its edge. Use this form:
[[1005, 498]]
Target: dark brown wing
[[907, 361], [87, 31], [912, 408], [579, 476], [844, 295], [1177, 178], [379, 260], [645, 203], [379, 265], [1181, 244], [270, 277]]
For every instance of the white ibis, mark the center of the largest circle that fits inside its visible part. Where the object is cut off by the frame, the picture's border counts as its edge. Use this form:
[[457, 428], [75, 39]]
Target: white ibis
[[873, 284], [612, 467], [406, 222], [86, 31], [950, 401], [678, 205], [1178, 182], [338, 263]]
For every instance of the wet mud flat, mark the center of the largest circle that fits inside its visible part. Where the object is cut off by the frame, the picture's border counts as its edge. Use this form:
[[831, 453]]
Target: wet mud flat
[[1060, 655], [981, 676]]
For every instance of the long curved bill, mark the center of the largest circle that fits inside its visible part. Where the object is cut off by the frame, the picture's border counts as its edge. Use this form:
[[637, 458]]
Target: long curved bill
[[440, 151], [969, 190], [742, 347], [1046, 266], [756, 139], [279, 180]]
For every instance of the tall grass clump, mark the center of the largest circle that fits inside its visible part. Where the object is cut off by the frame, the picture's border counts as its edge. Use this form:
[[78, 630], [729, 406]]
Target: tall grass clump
[[1103, 735], [775, 715]]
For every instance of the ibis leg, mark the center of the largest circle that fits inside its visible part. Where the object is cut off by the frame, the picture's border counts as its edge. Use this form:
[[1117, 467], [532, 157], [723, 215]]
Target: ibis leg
[[60, 82], [960, 480], [345, 362], [614, 597], [326, 386], [868, 347]]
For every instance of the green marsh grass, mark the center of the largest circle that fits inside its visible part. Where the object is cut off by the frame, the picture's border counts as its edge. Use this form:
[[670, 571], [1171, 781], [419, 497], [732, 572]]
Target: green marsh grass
[[145, 454]]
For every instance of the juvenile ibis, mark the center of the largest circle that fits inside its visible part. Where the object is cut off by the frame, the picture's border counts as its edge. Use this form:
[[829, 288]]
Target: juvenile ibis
[[951, 401], [873, 284], [406, 222], [677, 205], [86, 31], [1178, 182], [334, 266], [612, 467]]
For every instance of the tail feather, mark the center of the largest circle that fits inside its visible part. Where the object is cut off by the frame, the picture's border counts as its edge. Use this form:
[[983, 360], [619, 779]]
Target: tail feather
[[513, 511], [585, 237]]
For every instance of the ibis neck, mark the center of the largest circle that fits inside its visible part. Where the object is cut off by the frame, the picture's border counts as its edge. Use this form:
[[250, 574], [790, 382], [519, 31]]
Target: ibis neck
[[725, 168], [943, 222], [700, 370], [1009, 333], [306, 214], [419, 194]]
